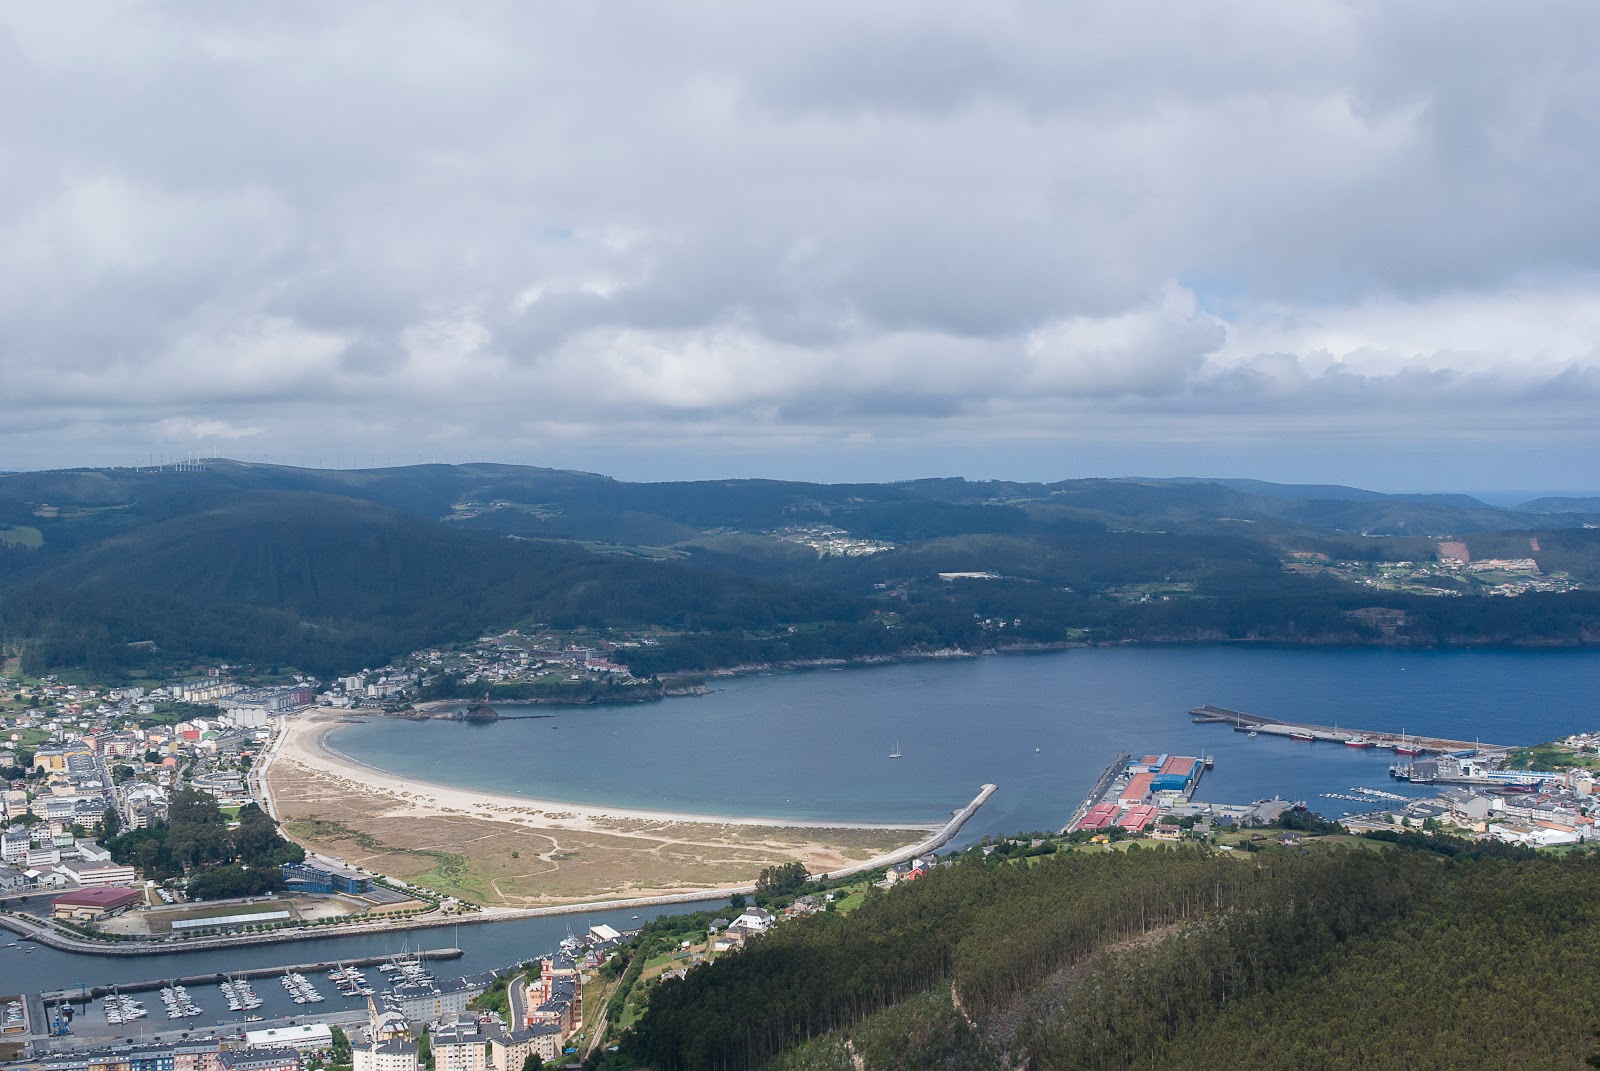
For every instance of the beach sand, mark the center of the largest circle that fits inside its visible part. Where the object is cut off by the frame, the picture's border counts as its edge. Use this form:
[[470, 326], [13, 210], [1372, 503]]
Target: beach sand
[[510, 851]]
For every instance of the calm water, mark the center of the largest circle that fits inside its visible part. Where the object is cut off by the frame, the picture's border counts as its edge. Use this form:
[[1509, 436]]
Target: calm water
[[488, 946], [815, 744]]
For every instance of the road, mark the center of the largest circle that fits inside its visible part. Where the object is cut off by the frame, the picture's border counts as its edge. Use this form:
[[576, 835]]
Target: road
[[517, 997]]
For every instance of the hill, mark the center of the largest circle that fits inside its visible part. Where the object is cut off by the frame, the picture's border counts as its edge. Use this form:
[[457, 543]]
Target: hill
[[1171, 959], [330, 570]]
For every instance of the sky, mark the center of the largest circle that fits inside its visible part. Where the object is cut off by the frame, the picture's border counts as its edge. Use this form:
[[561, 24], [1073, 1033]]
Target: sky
[[1353, 242]]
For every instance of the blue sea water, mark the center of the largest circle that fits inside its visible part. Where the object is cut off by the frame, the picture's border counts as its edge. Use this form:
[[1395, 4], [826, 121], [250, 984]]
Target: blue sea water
[[815, 744]]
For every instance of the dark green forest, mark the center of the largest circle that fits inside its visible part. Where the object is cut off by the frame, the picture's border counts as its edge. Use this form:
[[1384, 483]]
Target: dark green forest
[[1336, 957], [196, 841], [134, 572]]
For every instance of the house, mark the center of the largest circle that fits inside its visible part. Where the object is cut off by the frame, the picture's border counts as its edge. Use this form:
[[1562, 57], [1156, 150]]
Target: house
[[804, 905], [1289, 839], [752, 921]]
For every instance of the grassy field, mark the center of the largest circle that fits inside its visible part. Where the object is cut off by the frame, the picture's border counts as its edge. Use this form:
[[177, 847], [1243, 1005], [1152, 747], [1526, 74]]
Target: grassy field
[[1550, 756], [21, 535]]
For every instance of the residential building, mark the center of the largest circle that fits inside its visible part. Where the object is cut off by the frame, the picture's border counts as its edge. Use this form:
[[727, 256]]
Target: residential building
[[509, 1049], [460, 1046], [396, 1054], [256, 1058]]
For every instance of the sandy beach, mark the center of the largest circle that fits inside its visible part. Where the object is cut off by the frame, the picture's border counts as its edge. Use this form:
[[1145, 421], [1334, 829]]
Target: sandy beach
[[514, 851], [304, 742]]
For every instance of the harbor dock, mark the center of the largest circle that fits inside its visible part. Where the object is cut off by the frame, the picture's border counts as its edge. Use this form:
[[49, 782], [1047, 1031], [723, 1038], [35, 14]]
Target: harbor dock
[[1133, 793], [1335, 734], [96, 991], [1097, 793]]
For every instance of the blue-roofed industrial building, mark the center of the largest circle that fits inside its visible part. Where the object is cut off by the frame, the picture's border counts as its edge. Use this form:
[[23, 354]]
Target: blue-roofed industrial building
[[322, 878]]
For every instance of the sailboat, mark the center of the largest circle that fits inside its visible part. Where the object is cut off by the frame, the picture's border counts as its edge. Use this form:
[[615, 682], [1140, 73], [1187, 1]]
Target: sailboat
[[895, 754]]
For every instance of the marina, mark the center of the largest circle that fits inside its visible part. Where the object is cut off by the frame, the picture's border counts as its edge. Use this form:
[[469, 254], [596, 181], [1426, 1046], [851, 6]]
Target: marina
[[239, 980]]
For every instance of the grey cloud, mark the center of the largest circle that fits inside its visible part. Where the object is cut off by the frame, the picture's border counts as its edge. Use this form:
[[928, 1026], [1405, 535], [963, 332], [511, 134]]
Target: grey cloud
[[718, 222]]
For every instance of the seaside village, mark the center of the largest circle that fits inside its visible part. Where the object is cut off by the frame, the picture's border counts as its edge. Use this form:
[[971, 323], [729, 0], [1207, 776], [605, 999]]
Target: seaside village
[[70, 753], [82, 768]]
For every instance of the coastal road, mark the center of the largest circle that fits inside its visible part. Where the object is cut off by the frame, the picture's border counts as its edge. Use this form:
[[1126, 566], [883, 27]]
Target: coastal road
[[517, 998]]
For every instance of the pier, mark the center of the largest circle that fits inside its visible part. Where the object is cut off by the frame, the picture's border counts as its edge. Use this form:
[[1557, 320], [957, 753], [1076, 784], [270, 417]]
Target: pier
[[958, 819], [95, 991], [1098, 792], [1334, 734]]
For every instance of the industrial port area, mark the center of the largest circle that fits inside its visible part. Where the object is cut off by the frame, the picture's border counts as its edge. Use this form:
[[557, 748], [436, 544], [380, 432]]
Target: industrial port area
[[1477, 789]]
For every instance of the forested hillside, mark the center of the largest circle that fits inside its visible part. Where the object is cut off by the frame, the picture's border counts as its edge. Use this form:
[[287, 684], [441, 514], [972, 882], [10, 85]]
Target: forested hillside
[[1165, 959], [327, 571]]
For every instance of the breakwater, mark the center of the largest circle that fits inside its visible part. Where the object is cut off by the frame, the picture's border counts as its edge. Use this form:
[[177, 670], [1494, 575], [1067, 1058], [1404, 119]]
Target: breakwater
[[945, 834], [1335, 734]]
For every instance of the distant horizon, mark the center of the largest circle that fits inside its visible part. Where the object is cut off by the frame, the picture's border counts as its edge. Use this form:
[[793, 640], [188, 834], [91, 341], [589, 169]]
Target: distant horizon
[[1498, 497]]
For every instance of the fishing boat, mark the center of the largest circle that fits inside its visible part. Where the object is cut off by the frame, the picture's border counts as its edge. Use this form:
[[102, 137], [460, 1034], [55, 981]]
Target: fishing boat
[[1301, 736], [1252, 735], [1357, 741], [1407, 747]]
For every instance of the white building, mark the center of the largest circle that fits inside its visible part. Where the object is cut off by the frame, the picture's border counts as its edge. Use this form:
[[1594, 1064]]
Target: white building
[[395, 1054], [305, 1038]]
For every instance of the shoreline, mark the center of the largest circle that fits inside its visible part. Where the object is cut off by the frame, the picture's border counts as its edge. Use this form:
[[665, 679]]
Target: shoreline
[[304, 739]]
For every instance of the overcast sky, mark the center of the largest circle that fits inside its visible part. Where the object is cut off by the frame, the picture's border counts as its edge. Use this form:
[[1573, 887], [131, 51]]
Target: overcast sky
[[1290, 240]]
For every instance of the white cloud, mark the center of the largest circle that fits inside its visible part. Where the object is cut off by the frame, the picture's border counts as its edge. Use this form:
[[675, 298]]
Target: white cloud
[[713, 224]]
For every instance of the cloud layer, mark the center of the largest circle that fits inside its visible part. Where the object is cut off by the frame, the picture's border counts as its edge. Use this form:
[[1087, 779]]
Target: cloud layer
[[541, 232]]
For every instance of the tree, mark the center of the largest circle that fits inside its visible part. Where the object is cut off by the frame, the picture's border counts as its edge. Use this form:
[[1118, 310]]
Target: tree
[[782, 879], [110, 824], [425, 1050], [341, 1047], [737, 901]]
